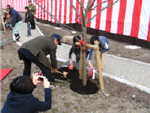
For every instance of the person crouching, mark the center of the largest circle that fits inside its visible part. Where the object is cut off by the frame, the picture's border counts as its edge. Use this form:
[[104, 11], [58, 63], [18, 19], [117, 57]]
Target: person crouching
[[76, 50], [20, 98]]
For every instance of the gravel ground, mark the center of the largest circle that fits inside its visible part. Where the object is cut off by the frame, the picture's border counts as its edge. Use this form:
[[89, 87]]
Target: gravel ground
[[65, 100]]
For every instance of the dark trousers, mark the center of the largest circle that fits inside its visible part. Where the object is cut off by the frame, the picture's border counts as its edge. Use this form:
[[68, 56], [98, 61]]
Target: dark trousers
[[32, 22], [28, 58], [28, 29]]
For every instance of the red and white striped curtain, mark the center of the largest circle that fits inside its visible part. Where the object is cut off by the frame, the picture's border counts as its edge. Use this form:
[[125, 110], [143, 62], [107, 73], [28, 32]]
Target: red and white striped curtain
[[127, 17]]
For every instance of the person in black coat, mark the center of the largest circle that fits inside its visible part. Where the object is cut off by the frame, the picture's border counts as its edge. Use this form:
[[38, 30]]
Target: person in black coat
[[28, 19], [76, 50], [16, 22], [20, 98]]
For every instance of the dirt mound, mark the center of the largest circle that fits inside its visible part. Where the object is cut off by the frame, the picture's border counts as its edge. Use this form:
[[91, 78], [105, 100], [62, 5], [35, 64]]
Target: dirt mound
[[75, 83]]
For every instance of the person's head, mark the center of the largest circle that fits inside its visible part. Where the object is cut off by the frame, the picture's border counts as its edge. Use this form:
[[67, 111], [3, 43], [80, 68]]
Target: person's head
[[76, 39], [22, 85], [8, 6], [26, 9], [30, 2], [57, 39], [8, 16], [7, 9], [93, 39]]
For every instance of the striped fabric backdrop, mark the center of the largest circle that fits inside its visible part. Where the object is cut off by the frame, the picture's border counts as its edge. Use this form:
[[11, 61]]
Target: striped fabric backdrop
[[127, 17]]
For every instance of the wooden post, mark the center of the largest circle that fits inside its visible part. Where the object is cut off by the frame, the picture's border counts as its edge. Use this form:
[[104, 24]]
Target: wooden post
[[1, 17], [99, 67], [96, 47], [2, 23]]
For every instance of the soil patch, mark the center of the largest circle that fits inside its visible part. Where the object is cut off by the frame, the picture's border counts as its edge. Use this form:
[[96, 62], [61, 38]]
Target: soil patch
[[75, 83], [122, 98]]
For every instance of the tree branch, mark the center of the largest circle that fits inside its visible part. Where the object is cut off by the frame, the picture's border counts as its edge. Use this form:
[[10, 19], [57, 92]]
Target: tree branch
[[92, 4], [76, 11], [99, 4], [102, 10], [82, 5], [53, 17]]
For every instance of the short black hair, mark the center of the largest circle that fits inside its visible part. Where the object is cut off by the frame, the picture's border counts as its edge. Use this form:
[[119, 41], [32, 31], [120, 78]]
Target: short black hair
[[29, 1], [8, 6], [76, 39], [93, 39], [22, 84], [26, 8]]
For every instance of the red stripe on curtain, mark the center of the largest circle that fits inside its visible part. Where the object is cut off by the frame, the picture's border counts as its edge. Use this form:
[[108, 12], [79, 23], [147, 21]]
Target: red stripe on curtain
[[98, 17], [77, 8], [148, 35], [65, 11], [60, 7], [55, 10], [121, 18], [109, 16], [51, 8], [70, 14], [136, 18], [89, 16]]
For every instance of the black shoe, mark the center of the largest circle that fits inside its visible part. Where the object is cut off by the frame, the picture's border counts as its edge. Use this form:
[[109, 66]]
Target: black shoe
[[50, 79], [17, 39]]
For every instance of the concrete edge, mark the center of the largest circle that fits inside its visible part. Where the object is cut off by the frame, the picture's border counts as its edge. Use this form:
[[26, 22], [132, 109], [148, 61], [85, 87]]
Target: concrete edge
[[140, 87]]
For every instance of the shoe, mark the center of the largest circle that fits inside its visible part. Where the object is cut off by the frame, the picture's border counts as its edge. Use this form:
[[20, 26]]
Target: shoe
[[53, 86], [28, 35], [17, 39]]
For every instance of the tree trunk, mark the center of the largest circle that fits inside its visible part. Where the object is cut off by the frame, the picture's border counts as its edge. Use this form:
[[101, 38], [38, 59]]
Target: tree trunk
[[83, 50]]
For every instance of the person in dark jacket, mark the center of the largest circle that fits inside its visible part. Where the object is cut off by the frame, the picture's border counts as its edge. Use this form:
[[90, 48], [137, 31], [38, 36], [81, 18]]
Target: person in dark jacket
[[36, 51], [32, 8], [76, 50], [16, 22], [20, 98], [103, 47], [28, 19]]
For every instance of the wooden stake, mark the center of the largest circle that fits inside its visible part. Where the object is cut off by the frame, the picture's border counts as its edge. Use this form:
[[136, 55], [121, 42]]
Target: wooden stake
[[99, 67], [2, 23]]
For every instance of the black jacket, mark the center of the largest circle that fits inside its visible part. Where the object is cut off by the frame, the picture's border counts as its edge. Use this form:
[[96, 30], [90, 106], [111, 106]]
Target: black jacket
[[26, 103], [76, 50], [15, 16], [28, 17]]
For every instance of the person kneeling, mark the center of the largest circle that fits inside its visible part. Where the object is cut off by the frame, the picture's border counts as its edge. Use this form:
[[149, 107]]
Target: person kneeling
[[20, 98]]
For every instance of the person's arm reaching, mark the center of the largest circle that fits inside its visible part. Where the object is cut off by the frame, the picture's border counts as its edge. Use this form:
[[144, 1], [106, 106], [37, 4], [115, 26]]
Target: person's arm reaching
[[13, 20], [70, 54], [47, 104], [90, 58], [53, 59]]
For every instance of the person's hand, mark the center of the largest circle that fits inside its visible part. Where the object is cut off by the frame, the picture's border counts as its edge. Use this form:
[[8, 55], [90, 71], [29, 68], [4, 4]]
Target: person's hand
[[46, 83], [30, 9], [71, 62], [55, 70], [90, 64], [35, 78]]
